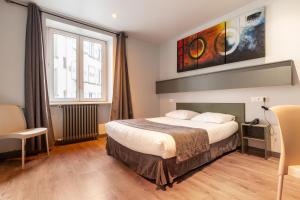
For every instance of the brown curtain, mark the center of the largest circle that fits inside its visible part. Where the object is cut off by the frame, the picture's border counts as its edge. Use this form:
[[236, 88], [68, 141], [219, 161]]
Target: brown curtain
[[37, 109], [121, 107]]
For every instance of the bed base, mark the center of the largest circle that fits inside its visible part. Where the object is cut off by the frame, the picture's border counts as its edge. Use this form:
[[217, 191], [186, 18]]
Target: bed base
[[164, 171]]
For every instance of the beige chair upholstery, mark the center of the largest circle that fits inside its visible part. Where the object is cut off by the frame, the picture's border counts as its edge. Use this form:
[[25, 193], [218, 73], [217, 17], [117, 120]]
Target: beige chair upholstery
[[289, 122], [11, 119], [13, 125]]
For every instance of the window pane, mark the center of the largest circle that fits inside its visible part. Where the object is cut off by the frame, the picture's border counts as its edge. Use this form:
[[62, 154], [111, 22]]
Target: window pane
[[92, 66], [65, 72]]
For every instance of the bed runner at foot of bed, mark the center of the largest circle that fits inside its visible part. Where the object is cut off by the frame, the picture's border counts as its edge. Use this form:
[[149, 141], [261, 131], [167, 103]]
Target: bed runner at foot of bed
[[189, 141]]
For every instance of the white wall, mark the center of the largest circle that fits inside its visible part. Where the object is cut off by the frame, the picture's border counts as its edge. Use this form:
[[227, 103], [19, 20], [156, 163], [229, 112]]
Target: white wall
[[142, 60], [143, 64], [282, 32], [12, 42]]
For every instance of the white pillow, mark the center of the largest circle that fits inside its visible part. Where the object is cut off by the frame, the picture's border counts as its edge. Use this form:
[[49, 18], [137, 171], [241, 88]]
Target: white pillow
[[182, 114], [218, 118]]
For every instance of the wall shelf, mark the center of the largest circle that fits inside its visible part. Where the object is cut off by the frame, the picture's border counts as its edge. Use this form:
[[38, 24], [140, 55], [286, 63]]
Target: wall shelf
[[265, 75]]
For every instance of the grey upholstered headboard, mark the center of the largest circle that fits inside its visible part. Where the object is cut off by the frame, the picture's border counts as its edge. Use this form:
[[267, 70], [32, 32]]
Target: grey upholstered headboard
[[236, 109]]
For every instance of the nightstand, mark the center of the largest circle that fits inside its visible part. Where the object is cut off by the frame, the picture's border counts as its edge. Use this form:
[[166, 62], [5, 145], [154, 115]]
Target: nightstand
[[259, 133]]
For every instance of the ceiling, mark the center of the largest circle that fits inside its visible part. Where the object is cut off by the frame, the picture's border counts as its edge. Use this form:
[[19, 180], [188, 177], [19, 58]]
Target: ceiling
[[150, 20]]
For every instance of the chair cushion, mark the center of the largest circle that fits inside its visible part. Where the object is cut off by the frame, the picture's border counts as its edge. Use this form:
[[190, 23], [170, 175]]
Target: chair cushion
[[27, 133], [294, 170]]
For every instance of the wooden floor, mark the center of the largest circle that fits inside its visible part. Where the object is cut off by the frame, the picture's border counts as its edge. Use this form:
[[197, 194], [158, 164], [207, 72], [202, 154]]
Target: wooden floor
[[84, 171]]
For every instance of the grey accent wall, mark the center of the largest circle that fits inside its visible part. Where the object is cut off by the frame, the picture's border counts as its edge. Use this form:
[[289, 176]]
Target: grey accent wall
[[236, 109], [271, 74]]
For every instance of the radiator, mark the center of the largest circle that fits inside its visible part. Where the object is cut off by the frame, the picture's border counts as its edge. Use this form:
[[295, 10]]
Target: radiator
[[79, 123]]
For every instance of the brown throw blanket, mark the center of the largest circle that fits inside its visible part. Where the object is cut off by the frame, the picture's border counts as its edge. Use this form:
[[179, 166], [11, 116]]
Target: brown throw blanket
[[189, 141]]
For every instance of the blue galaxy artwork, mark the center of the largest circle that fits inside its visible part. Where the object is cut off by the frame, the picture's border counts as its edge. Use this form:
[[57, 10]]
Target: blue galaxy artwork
[[245, 37]]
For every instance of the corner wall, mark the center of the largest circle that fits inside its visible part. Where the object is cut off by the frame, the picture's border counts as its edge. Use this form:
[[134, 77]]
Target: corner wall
[[143, 62], [12, 58], [282, 31]]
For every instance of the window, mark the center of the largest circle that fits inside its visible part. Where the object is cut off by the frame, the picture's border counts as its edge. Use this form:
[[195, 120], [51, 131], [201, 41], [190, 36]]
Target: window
[[77, 67]]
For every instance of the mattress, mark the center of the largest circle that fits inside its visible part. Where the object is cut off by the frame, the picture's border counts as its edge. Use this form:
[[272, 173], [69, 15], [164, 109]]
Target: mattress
[[161, 144]]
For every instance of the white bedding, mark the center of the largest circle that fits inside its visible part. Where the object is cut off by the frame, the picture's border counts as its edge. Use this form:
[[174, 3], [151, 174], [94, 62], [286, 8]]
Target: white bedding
[[162, 144]]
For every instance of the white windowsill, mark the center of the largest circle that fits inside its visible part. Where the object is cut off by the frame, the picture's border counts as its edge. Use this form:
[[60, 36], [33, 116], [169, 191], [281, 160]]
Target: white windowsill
[[79, 103]]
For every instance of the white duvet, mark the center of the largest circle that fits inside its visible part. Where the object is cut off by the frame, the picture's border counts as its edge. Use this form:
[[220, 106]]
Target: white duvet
[[162, 144]]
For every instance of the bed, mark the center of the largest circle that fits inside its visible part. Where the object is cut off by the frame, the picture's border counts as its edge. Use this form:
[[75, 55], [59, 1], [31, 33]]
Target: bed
[[152, 154]]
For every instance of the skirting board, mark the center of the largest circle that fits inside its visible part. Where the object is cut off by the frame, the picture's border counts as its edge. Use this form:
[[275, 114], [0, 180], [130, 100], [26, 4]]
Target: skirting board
[[271, 74], [17, 153], [260, 152], [11, 154]]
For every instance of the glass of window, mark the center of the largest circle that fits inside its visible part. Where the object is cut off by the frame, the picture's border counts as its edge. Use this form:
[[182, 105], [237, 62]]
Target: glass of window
[[65, 66], [92, 69]]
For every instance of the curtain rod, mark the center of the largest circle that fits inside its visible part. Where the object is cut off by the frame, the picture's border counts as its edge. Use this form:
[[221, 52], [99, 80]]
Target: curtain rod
[[65, 17]]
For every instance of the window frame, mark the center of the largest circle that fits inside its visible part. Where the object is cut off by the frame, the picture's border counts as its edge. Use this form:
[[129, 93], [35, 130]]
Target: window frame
[[79, 67]]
